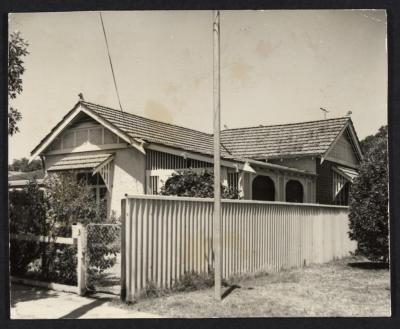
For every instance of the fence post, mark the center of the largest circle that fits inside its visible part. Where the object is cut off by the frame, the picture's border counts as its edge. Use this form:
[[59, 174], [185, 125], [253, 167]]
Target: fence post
[[123, 250], [79, 233]]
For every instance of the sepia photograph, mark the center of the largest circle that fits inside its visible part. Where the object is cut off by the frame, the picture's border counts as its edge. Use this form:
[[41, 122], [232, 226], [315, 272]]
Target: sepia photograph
[[198, 164]]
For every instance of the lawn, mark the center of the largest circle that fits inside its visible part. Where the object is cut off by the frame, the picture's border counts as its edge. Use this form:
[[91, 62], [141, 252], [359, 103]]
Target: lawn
[[349, 287]]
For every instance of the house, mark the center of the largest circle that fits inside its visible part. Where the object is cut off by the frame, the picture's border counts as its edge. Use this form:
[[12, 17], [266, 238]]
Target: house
[[120, 153]]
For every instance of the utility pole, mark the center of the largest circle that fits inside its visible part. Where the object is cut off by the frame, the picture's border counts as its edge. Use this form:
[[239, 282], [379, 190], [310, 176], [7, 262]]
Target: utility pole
[[217, 161]]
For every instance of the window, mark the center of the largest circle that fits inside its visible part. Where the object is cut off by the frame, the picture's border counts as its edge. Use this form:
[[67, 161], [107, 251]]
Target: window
[[154, 185], [233, 180], [96, 184], [341, 189]]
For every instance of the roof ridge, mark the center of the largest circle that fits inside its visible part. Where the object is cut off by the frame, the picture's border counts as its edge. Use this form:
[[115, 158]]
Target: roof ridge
[[286, 124], [142, 117]]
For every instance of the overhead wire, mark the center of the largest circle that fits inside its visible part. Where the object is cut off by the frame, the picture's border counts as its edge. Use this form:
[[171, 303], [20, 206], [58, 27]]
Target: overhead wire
[[111, 64]]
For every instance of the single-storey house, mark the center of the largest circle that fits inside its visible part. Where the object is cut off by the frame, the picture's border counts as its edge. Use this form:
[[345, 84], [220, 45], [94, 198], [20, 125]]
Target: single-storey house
[[119, 153]]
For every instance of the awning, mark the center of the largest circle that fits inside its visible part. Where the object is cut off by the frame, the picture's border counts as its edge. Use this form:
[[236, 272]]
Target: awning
[[87, 161], [347, 173]]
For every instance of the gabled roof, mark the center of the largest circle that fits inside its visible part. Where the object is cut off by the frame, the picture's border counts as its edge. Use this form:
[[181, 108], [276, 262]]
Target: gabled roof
[[261, 142], [287, 140], [158, 132]]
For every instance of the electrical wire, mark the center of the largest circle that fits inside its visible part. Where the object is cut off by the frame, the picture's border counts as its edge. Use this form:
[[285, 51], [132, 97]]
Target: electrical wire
[[111, 64]]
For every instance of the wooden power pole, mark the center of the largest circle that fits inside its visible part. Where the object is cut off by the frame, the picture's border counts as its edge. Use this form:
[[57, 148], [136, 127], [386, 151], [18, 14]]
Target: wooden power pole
[[217, 161]]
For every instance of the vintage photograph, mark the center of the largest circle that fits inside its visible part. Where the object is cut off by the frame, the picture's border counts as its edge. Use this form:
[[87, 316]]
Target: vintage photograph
[[121, 122]]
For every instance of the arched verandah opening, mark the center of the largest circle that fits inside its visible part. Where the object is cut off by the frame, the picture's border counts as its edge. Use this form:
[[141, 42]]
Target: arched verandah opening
[[263, 189], [294, 191]]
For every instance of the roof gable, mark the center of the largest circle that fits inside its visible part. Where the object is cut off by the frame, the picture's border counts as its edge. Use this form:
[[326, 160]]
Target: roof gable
[[288, 140], [69, 118]]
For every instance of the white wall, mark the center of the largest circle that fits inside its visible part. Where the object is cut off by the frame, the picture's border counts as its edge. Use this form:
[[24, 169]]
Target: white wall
[[129, 176], [309, 164]]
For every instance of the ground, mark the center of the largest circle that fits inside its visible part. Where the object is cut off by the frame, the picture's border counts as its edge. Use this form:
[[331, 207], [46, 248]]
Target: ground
[[348, 287]]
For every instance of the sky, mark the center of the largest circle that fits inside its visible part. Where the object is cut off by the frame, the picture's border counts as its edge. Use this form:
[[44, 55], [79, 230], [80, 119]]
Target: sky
[[277, 67]]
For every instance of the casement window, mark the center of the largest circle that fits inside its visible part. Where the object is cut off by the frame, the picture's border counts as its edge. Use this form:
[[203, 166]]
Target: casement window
[[342, 179], [154, 185], [233, 180], [96, 184]]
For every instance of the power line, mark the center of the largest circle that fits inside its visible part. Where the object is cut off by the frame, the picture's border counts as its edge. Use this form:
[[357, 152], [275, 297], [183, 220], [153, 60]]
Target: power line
[[111, 65]]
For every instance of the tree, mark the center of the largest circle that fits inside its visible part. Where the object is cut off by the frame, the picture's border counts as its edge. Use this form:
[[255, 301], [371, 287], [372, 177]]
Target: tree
[[369, 200], [193, 184], [17, 49], [24, 165]]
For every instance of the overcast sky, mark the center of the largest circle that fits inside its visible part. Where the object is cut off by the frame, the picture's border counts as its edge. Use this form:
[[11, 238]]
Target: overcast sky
[[276, 67]]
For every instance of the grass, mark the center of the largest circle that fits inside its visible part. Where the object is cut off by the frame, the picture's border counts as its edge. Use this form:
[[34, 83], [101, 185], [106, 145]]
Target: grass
[[349, 287]]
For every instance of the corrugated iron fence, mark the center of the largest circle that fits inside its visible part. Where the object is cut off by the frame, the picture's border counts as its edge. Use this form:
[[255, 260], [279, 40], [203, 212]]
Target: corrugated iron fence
[[164, 237]]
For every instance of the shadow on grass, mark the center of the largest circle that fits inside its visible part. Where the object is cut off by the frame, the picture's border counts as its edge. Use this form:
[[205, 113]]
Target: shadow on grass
[[229, 290], [369, 265]]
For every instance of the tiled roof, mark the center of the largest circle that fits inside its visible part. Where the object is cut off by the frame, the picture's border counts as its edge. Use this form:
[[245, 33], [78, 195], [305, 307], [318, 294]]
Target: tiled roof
[[296, 139], [86, 161], [154, 131], [275, 141], [28, 175]]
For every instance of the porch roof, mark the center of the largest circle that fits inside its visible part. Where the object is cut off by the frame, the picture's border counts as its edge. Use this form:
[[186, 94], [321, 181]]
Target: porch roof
[[85, 161], [348, 173]]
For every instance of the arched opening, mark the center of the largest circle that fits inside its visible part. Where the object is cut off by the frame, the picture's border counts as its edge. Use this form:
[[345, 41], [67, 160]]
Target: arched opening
[[294, 191], [263, 189]]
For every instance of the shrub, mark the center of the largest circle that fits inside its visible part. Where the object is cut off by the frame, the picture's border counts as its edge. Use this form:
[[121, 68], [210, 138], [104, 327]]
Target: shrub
[[193, 184], [369, 201], [51, 213], [194, 281], [27, 213]]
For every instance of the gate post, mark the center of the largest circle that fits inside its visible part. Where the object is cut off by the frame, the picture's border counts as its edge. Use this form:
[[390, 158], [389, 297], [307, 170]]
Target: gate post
[[79, 233]]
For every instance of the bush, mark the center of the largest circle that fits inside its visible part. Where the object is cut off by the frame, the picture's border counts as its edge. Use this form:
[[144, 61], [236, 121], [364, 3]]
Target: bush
[[27, 213], [194, 281], [369, 201], [193, 184], [51, 213]]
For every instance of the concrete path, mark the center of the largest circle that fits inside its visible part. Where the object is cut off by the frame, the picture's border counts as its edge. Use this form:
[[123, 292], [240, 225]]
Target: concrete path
[[35, 303]]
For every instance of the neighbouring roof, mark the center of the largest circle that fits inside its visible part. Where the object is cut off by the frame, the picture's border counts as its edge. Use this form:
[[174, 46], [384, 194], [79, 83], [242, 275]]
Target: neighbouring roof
[[158, 132], [86, 161], [29, 175], [275, 141]]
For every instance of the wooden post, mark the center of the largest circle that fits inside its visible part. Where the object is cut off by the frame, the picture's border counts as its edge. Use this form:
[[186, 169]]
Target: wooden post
[[79, 233], [123, 248], [217, 165]]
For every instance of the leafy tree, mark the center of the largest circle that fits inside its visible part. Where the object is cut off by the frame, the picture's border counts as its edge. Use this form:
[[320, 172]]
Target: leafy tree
[[51, 212], [369, 200], [193, 184], [24, 165], [27, 214], [17, 49]]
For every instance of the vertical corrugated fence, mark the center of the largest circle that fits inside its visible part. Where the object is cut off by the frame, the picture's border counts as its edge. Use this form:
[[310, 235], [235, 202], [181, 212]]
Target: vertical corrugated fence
[[164, 237]]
